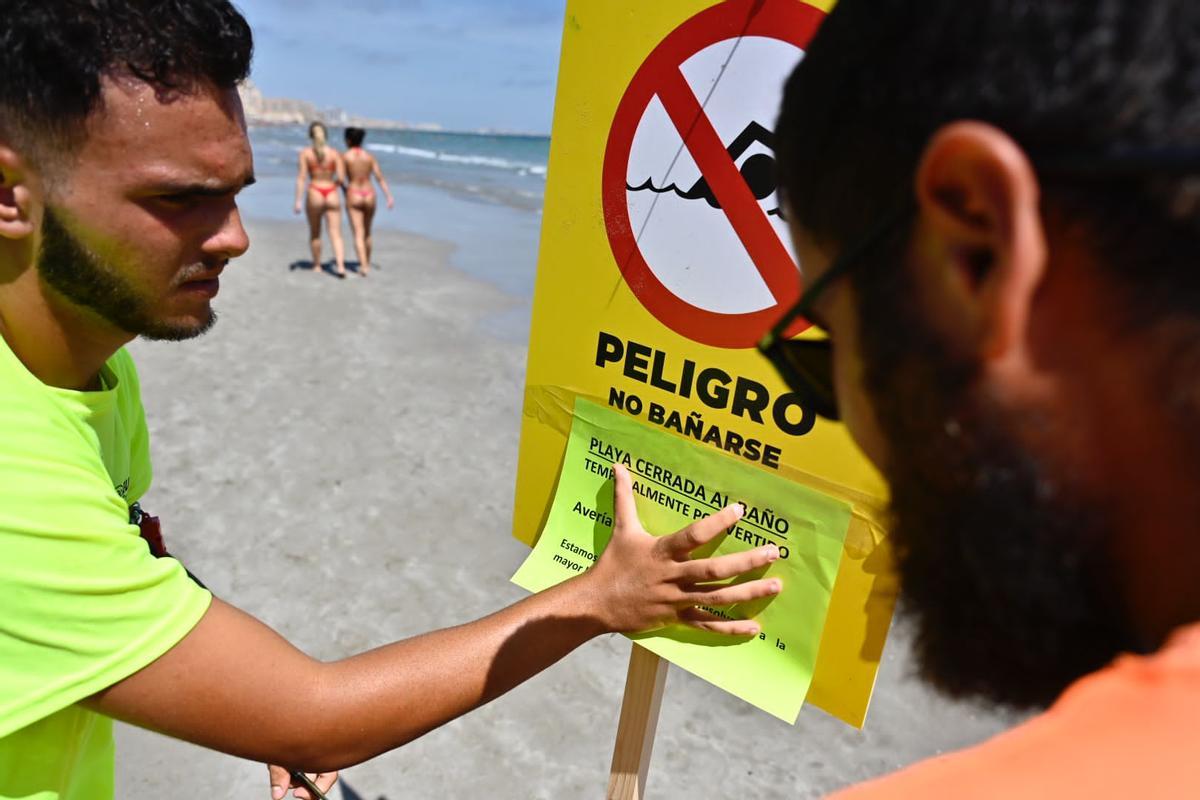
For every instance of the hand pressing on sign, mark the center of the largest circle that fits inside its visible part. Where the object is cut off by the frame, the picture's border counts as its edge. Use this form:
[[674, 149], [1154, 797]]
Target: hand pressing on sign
[[644, 582], [235, 685]]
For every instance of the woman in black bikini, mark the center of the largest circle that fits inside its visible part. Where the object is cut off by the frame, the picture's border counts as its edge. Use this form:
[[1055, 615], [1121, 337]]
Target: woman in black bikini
[[360, 195], [324, 170]]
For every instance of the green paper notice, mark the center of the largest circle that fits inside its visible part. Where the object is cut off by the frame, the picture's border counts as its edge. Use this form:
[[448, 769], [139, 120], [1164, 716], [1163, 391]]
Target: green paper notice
[[675, 482]]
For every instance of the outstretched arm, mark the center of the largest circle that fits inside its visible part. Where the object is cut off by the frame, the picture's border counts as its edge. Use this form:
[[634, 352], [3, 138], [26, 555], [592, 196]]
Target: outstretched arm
[[234, 685]]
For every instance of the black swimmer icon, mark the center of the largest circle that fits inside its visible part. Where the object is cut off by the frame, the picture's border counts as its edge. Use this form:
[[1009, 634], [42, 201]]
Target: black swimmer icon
[[758, 171]]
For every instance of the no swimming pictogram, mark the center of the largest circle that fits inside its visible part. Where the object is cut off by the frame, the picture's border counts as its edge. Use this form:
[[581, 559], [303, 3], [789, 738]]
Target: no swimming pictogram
[[698, 236]]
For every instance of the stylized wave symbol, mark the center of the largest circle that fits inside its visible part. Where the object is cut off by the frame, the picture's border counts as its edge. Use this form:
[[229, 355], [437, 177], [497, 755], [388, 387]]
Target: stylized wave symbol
[[699, 191], [758, 171], [690, 194]]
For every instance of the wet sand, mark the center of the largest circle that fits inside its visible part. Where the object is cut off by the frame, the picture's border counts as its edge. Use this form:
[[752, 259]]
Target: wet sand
[[337, 458]]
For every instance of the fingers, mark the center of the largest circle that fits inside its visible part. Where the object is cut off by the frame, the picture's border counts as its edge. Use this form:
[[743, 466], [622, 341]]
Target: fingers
[[323, 780], [299, 792], [720, 568], [728, 595], [280, 781], [702, 530], [623, 507], [703, 620]]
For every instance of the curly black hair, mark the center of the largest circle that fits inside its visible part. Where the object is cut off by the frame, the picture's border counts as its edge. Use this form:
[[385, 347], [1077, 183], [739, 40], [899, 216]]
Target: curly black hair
[[53, 56], [1061, 77]]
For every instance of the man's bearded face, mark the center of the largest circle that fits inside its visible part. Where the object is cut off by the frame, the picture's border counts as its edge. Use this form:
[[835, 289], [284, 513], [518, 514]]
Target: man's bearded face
[[86, 279], [1003, 555]]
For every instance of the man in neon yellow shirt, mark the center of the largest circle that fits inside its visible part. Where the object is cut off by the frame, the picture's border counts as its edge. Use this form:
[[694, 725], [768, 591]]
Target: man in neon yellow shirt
[[122, 150]]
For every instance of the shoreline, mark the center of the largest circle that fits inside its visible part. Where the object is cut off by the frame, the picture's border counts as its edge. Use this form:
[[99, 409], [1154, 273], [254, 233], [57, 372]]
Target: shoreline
[[489, 242], [266, 122]]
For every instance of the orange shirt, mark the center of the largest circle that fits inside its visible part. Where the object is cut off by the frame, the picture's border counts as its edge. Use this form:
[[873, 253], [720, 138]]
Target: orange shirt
[[1131, 730]]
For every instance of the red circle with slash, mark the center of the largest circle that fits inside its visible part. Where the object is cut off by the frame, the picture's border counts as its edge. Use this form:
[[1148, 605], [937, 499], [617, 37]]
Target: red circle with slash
[[790, 21]]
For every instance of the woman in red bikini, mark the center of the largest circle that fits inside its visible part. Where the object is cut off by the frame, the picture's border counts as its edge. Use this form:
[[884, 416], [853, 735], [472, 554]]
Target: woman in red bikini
[[322, 167], [360, 195]]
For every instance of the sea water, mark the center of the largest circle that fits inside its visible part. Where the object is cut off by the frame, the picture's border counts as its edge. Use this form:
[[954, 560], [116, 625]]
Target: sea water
[[480, 192]]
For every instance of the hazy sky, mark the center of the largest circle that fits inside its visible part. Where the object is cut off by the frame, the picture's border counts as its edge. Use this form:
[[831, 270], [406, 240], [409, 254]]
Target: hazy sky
[[463, 63]]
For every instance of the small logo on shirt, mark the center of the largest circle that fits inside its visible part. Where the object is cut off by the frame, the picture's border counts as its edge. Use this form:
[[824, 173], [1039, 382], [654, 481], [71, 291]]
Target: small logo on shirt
[[123, 488]]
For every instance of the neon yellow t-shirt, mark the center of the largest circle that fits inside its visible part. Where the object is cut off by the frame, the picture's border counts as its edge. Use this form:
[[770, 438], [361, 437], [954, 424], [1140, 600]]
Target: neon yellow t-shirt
[[83, 603]]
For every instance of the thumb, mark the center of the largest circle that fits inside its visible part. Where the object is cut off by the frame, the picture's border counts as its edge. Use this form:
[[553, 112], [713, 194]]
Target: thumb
[[624, 510], [280, 781]]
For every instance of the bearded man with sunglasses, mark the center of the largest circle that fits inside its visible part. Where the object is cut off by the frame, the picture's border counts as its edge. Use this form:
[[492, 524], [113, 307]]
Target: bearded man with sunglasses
[[995, 206]]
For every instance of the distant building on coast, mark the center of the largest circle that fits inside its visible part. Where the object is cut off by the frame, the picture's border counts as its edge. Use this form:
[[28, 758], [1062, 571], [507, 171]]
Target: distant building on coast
[[263, 110]]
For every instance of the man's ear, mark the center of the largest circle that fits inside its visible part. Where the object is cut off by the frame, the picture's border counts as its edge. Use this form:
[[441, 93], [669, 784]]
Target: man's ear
[[980, 220], [17, 195]]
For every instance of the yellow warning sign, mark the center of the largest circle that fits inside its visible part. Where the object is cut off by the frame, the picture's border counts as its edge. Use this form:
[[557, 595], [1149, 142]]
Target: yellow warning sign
[[664, 257]]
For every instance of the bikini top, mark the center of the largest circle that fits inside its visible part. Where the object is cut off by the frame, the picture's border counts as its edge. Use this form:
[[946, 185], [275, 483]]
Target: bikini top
[[324, 165]]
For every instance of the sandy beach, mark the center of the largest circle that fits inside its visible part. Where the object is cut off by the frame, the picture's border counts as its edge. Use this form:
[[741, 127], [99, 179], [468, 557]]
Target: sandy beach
[[337, 458]]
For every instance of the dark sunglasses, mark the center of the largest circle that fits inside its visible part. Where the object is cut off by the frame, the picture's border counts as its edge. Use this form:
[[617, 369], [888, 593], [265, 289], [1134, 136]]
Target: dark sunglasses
[[806, 365]]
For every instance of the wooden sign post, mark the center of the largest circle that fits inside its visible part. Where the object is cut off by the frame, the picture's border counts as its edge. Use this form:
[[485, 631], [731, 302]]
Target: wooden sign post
[[644, 685]]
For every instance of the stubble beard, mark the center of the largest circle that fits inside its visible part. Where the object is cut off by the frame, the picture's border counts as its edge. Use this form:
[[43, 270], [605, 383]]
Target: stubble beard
[[77, 273]]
